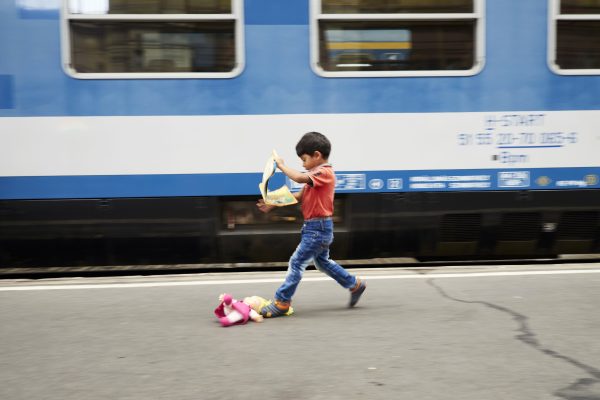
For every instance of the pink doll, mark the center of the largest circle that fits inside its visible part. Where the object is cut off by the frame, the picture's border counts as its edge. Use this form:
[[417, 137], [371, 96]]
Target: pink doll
[[231, 311]]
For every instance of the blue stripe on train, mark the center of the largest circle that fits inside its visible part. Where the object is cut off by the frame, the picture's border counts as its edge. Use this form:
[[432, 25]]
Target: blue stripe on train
[[276, 12], [6, 91], [55, 187], [277, 78]]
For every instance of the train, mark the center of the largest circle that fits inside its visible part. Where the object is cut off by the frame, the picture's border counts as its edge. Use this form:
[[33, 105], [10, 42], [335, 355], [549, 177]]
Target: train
[[135, 132]]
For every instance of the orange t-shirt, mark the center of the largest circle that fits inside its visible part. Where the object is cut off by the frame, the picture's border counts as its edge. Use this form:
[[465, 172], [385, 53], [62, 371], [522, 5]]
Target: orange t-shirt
[[317, 199]]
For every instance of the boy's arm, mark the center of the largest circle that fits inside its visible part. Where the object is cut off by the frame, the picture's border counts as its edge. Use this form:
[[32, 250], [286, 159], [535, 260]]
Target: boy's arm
[[291, 173]]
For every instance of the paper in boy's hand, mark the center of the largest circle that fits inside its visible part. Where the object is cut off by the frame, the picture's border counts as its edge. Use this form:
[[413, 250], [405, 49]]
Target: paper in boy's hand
[[280, 197]]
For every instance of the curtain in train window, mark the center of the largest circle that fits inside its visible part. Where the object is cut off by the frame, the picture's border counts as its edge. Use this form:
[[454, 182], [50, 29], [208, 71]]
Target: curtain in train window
[[577, 36], [398, 37], [152, 38]]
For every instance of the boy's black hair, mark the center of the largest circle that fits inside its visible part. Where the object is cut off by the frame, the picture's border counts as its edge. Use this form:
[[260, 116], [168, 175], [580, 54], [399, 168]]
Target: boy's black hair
[[311, 142]]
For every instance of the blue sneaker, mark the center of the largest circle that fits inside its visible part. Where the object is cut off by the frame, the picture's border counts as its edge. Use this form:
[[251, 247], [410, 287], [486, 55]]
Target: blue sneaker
[[356, 292], [276, 309]]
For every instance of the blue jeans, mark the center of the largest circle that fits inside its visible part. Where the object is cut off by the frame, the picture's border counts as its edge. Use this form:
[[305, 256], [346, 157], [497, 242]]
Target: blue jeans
[[317, 235]]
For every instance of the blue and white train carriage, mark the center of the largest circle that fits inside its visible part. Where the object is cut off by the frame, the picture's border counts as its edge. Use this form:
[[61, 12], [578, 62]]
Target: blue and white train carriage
[[136, 130]]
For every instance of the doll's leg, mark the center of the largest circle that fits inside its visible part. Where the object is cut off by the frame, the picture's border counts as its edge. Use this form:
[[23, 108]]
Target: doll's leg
[[231, 318]]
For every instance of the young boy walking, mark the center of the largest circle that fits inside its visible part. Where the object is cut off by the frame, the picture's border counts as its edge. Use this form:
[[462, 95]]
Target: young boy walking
[[316, 198]]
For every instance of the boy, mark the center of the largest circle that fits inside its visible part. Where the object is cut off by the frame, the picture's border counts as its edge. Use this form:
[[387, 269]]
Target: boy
[[316, 197]]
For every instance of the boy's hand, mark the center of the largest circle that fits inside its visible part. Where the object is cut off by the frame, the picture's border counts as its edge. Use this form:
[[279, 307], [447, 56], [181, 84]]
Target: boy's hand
[[264, 207], [278, 160]]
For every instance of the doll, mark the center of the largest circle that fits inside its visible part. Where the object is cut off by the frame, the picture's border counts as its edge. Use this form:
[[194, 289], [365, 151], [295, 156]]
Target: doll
[[231, 311]]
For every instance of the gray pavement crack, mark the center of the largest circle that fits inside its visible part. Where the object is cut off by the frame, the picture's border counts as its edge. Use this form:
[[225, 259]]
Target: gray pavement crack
[[579, 390]]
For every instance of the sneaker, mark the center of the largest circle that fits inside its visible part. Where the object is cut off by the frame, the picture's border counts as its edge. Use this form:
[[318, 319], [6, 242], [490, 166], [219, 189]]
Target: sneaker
[[276, 309], [356, 292]]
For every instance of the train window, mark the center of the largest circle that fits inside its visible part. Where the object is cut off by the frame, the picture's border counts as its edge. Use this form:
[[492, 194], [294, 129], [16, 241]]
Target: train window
[[573, 44], [361, 38], [131, 39]]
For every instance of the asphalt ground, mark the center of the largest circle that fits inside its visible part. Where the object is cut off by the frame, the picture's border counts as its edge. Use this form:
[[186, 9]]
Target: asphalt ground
[[493, 332]]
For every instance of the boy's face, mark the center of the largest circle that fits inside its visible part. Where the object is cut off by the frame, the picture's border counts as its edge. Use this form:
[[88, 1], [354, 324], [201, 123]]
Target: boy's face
[[311, 161]]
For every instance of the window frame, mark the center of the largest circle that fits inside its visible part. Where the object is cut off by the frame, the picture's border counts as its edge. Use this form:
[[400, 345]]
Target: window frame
[[236, 15], [478, 15], [554, 15]]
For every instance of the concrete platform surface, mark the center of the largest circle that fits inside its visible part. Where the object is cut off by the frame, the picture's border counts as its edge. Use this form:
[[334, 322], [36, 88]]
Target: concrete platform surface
[[494, 332]]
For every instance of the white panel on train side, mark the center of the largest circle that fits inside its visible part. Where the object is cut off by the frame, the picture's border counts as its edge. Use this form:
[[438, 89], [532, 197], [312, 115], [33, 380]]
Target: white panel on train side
[[53, 146]]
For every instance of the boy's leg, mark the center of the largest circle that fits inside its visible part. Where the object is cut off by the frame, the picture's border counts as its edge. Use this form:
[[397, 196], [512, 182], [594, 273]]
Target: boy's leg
[[334, 270], [296, 266], [341, 276], [298, 262]]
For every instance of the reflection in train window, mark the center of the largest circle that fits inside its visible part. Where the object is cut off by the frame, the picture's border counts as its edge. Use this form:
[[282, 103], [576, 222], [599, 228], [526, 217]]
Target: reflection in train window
[[406, 45], [397, 37], [153, 38], [574, 44], [578, 45], [106, 46]]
